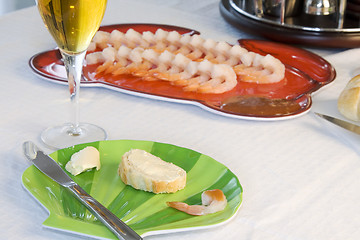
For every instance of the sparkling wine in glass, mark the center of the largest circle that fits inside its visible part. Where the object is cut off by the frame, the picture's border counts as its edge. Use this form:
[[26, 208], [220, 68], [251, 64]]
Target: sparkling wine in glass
[[72, 24]]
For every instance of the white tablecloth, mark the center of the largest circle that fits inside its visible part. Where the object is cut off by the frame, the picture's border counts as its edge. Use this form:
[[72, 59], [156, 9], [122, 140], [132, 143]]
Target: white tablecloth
[[300, 180]]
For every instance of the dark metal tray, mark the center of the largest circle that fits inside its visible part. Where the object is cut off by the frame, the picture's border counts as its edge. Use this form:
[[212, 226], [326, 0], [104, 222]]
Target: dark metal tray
[[311, 30]]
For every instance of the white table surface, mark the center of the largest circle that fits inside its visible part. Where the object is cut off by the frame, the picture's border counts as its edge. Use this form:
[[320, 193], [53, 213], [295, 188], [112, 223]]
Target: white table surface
[[301, 181]]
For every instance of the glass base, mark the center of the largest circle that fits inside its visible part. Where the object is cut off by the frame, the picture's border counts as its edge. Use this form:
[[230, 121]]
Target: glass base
[[62, 136]]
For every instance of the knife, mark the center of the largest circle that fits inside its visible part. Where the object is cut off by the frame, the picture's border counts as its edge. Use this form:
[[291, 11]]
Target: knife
[[341, 123], [49, 167]]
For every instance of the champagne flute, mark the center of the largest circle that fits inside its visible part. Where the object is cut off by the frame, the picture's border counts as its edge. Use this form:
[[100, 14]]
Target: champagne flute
[[72, 24]]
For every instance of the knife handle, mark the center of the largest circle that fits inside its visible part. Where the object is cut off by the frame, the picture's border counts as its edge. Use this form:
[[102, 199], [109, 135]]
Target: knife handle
[[118, 227]]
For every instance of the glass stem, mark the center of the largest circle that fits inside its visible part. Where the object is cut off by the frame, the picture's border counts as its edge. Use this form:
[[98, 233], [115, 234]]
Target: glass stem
[[73, 64]]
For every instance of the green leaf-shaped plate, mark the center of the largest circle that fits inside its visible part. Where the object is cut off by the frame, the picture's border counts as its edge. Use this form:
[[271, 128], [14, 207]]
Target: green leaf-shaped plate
[[145, 212]]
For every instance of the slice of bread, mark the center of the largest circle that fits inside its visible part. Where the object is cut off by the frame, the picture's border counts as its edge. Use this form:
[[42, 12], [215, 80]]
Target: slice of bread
[[144, 171]]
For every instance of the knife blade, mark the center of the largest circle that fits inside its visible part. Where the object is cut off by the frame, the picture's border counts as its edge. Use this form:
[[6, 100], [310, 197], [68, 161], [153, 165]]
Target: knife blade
[[49, 167], [341, 123]]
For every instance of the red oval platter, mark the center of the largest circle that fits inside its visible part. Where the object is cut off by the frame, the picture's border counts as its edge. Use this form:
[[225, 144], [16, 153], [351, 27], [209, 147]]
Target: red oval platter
[[305, 73]]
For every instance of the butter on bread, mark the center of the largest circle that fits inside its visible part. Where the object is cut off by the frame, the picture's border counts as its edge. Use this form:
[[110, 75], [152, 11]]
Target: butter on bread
[[144, 171], [349, 100]]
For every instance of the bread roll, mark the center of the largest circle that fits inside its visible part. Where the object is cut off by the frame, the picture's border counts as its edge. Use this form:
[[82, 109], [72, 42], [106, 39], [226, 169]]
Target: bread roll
[[147, 172], [349, 99]]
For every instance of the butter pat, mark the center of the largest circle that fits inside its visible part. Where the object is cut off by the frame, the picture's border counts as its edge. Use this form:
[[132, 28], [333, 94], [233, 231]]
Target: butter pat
[[83, 160]]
